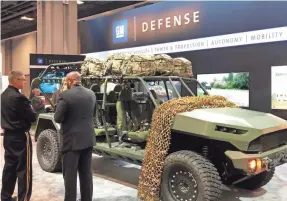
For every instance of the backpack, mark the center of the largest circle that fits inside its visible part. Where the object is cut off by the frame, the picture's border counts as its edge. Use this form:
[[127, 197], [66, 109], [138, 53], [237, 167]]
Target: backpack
[[182, 67], [92, 67], [164, 64], [116, 63], [141, 65]]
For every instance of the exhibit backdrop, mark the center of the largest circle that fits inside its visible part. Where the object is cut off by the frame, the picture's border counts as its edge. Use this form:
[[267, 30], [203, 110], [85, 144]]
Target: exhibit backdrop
[[278, 87], [39, 62], [217, 37], [175, 27]]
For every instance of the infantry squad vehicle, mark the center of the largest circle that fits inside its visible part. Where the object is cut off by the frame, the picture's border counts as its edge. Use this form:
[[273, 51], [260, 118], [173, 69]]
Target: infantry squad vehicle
[[241, 146]]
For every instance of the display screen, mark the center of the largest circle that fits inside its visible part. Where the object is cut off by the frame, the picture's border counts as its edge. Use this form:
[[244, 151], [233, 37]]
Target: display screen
[[278, 87], [51, 87], [47, 87], [233, 86]]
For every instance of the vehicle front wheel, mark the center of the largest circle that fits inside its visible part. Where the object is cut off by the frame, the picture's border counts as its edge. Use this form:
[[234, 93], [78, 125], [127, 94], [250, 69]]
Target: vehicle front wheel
[[48, 151], [257, 181], [189, 176]]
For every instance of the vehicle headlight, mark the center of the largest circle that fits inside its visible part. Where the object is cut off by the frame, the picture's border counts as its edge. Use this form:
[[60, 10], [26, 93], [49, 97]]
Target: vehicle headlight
[[230, 130]]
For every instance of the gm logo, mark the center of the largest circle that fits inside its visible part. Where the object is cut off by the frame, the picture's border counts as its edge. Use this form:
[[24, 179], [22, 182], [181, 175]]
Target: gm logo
[[120, 31], [40, 60]]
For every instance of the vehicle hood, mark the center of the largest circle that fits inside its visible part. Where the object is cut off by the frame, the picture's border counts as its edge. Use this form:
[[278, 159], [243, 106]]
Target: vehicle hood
[[236, 117]]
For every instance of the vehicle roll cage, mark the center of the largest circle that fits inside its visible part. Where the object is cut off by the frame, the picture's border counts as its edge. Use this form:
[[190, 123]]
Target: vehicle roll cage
[[76, 66], [68, 67]]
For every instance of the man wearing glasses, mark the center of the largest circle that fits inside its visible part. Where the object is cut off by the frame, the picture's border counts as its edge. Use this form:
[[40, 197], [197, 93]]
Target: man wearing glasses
[[16, 118]]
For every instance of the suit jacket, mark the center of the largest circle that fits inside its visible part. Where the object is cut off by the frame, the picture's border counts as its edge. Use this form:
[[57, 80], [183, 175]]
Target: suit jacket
[[74, 111], [55, 96]]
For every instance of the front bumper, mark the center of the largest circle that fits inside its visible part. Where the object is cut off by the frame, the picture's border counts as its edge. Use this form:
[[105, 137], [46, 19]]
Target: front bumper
[[265, 161]]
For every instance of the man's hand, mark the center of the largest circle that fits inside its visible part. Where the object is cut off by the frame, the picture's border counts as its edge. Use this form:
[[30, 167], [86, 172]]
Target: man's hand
[[1, 132]]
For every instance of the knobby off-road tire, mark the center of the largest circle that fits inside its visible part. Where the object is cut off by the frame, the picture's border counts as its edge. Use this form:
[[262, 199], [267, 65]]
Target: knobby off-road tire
[[189, 176], [257, 181], [48, 151]]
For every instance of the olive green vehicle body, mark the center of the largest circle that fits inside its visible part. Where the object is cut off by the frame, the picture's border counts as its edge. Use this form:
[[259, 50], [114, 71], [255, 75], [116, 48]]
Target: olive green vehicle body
[[236, 136], [251, 126], [203, 123]]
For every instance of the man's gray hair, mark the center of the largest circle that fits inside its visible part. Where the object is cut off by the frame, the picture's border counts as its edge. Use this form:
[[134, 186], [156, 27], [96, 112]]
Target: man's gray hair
[[14, 74]]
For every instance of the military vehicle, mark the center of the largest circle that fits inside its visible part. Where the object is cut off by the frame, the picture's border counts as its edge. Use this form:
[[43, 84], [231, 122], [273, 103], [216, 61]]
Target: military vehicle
[[208, 146]]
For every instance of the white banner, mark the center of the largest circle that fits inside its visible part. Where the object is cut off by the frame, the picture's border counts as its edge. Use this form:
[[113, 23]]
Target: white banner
[[229, 40], [36, 66], [278, 87]]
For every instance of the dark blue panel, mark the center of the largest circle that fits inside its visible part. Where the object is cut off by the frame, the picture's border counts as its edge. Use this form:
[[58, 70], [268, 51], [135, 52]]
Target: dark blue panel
[[215, 18]]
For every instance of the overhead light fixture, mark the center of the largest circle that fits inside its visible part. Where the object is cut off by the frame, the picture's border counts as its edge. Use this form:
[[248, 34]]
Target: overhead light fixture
[[27, 18], [79, 2]]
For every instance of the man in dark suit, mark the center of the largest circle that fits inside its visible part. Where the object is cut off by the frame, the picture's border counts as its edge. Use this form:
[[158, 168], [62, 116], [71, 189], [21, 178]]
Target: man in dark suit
[[16, 118], [75, 109]]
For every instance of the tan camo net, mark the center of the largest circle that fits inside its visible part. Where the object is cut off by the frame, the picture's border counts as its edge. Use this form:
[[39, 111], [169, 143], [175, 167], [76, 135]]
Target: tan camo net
[[159, 139]]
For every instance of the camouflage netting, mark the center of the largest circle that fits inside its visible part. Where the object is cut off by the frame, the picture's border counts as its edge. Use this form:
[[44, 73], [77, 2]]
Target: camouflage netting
[[159, 139]]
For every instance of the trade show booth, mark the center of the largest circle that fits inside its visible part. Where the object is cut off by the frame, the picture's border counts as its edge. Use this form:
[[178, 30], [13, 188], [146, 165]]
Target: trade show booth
[[236, 48]]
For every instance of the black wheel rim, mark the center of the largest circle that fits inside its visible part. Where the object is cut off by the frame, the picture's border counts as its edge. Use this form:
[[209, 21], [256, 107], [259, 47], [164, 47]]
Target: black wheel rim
[[47, 151], [182, 184]]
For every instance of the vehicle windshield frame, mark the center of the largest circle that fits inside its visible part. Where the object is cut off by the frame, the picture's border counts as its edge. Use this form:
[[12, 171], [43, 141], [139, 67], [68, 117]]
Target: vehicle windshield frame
[[75, 66], [144, 79]]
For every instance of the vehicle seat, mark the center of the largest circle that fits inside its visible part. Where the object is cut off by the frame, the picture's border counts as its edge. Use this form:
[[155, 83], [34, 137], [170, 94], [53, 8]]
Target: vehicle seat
[[113, 95], [97, 119], [101, 131], [140, 99], [124, 96], [150, 106], [128, 111], [139, 136], [112, 98], [97, 90], [157, 100]]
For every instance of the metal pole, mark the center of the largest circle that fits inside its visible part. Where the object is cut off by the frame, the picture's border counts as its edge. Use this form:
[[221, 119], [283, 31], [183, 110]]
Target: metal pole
[[103, 109], [177, 93]]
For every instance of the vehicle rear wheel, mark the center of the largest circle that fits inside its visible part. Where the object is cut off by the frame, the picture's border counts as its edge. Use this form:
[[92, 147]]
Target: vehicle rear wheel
[[257, 181], [48, 151], [189, 176]]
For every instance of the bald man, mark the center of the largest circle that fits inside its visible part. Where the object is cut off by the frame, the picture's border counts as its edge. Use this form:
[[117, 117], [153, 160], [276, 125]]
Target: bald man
[[74, 111]]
